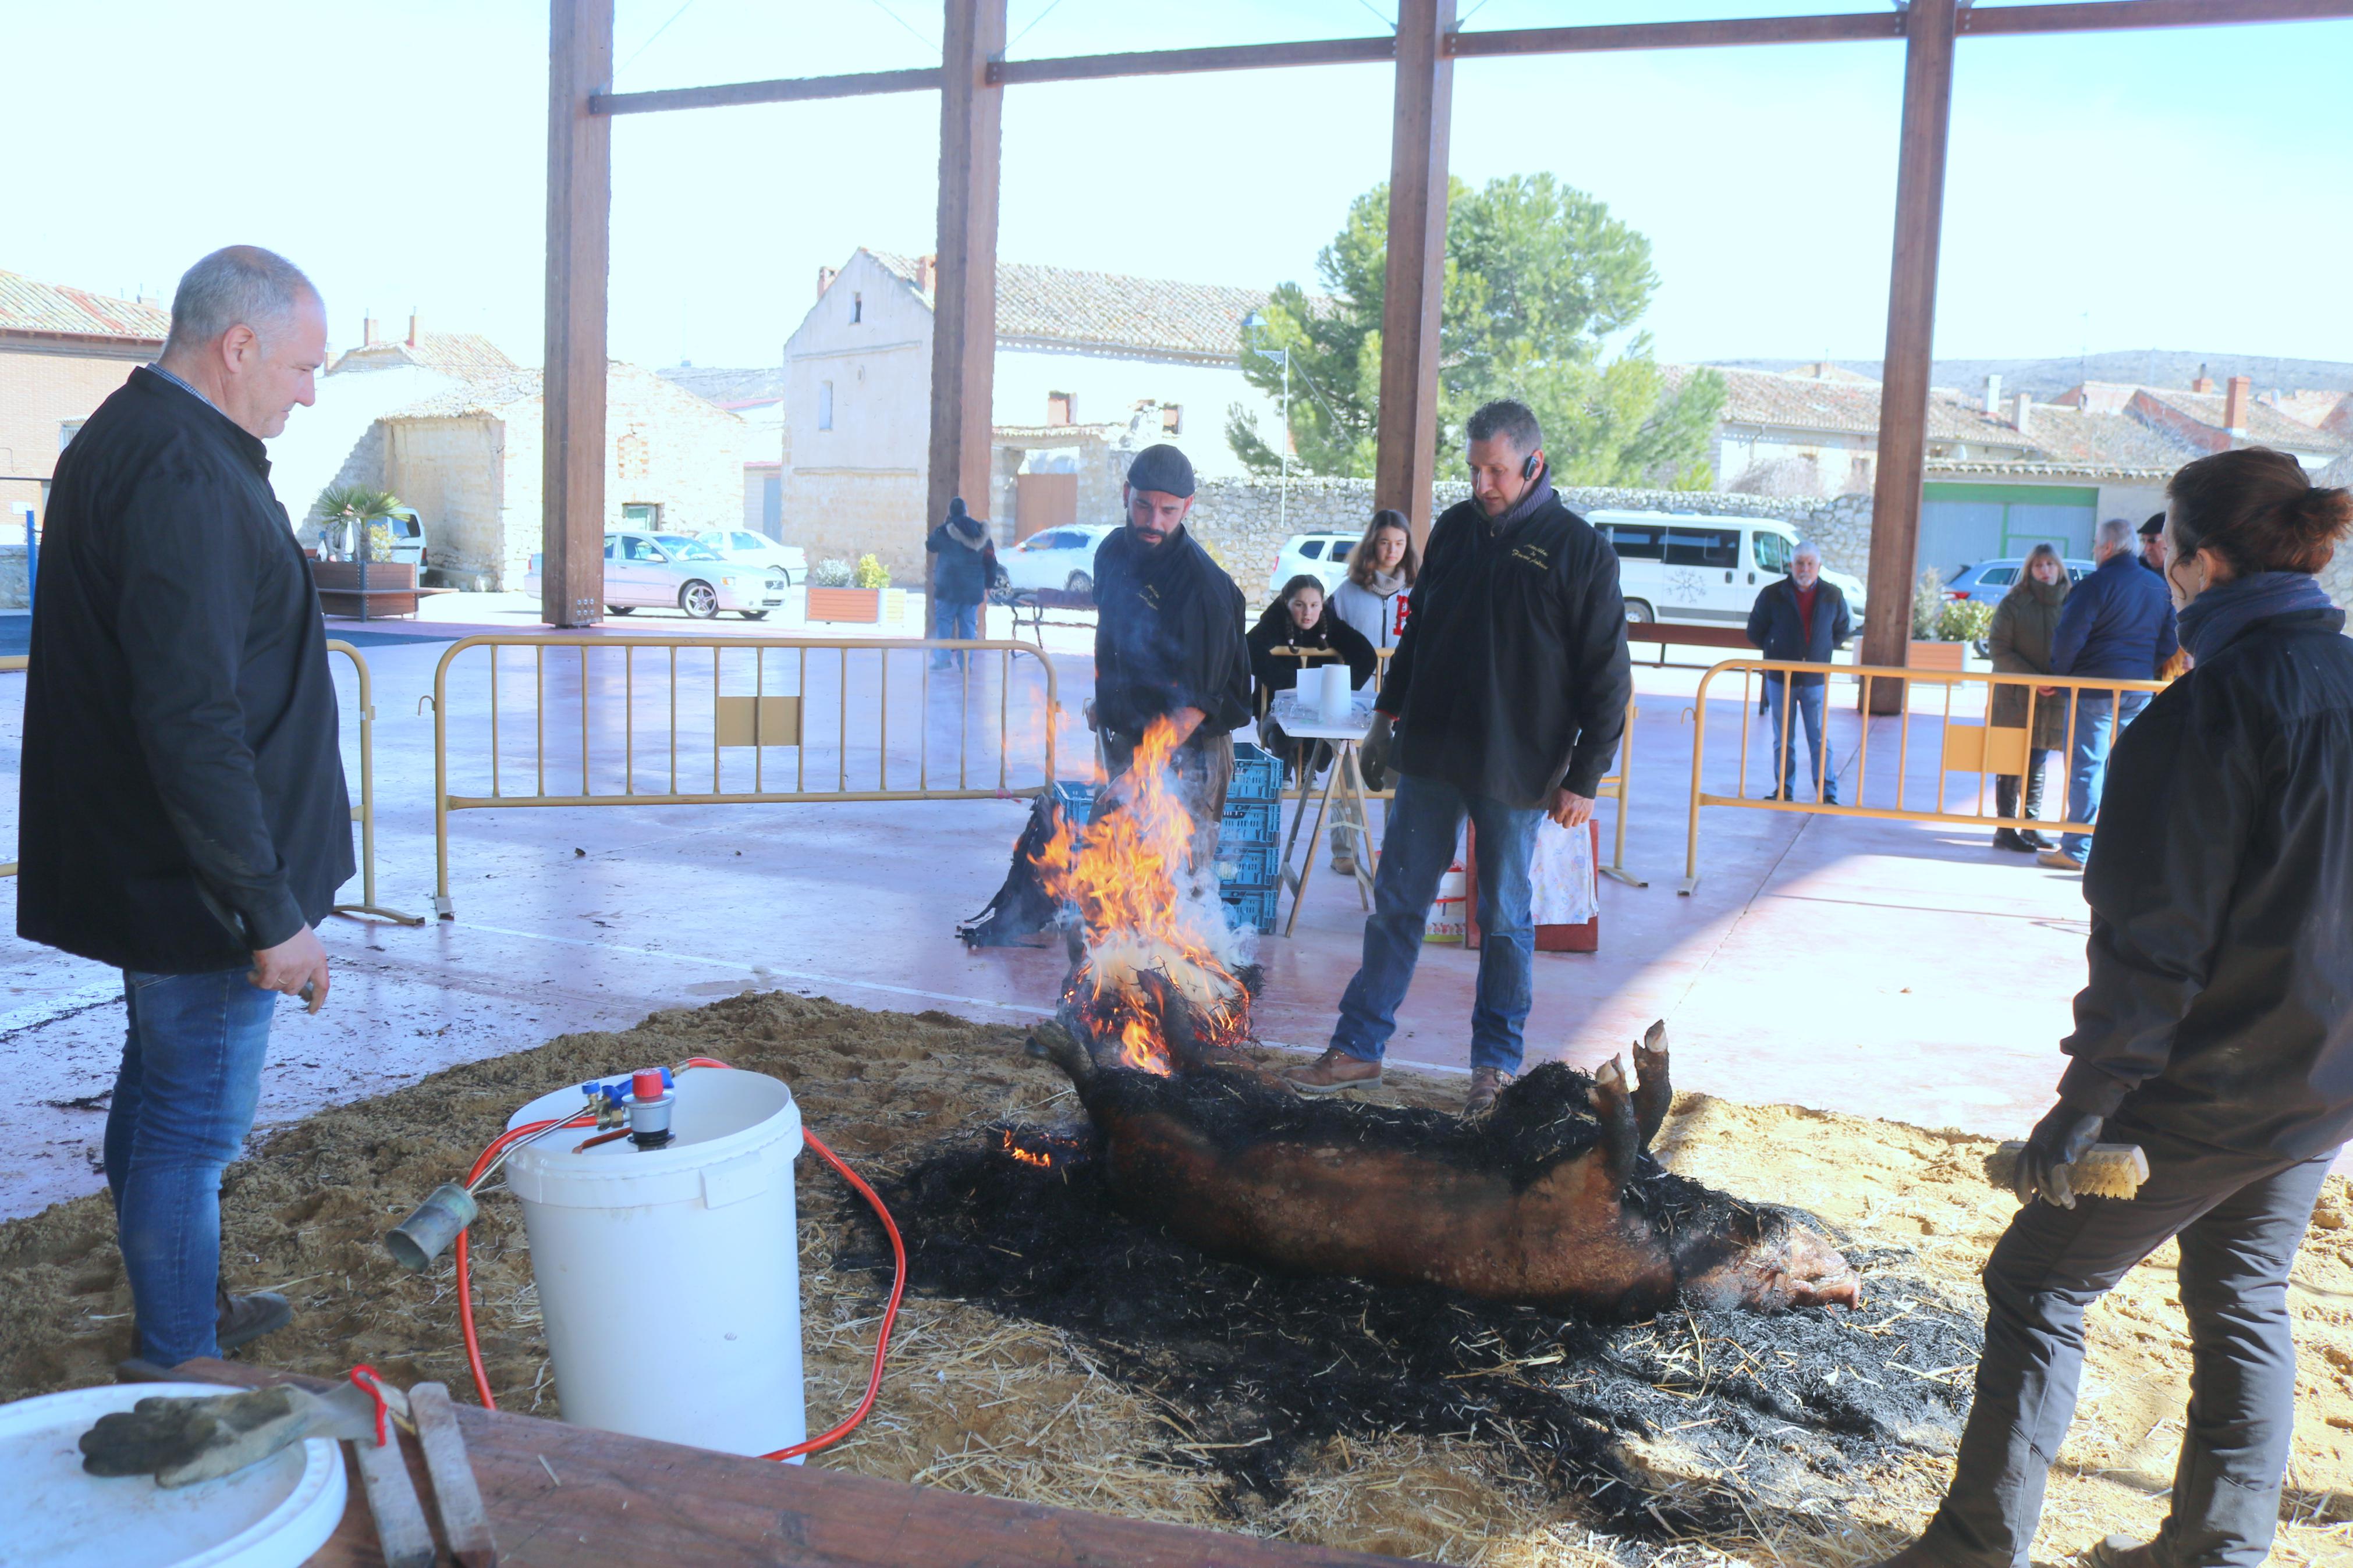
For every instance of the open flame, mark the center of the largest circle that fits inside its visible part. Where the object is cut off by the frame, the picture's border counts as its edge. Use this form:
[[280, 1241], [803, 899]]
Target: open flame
[[1039, 1158], [1144, 912]]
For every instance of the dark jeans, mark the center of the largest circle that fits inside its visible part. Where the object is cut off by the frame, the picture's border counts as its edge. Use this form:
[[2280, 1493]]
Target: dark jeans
[[2239, 1219], [1204, 767], [2098, 717], [183, 1101], [2005, 791], [1808, 718], [1425, 822]]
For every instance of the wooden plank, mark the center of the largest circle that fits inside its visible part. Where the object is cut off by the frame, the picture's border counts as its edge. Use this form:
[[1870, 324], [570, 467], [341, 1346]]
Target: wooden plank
[[572, 1496], [782, 90], [964, 316], [1176, 62], [1702, 34], [1911, 338], [579, 260], [2120, 16], [402, 1538], [456, 1496], [1404, 454]]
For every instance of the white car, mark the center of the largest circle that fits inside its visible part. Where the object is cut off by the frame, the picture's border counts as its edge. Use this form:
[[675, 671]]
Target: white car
[[1699, 570], [671, 571], [403, 527], [1323, 555], [1058, 559], [758, 550]]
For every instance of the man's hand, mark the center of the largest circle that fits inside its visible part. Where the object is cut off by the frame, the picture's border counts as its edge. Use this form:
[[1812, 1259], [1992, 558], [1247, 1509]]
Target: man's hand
[[297, 966], [1373, 751], [1571, 809], [2058, 1141]]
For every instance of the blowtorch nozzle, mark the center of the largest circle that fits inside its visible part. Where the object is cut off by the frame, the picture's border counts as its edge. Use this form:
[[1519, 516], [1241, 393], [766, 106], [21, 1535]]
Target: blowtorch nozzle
[[420, 1238]]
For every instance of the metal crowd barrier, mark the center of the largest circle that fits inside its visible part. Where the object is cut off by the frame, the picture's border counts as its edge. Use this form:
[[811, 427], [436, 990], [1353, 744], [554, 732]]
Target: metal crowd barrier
[[1966, 744], [363, 813], [693, 721]]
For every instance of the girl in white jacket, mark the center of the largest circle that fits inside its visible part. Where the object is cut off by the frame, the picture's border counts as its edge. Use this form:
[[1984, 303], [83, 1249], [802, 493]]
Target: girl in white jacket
[[1380, 572]]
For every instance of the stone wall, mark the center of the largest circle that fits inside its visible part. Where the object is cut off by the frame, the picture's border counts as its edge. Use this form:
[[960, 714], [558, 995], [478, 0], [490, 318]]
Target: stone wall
[[12, 570]]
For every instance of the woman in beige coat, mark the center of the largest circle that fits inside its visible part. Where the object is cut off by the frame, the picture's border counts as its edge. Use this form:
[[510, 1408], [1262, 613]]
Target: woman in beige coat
[[2021, 642]]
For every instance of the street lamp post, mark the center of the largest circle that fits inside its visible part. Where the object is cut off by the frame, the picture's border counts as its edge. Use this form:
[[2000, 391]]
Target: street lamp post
[[1253, 324]]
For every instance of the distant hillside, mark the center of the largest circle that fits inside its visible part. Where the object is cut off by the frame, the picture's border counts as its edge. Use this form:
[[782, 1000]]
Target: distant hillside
[[2046, 378]]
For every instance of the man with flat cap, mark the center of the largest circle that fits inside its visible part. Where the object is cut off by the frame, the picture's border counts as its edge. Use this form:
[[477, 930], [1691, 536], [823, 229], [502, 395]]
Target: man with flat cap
[[1168, 645], [2152, 545]]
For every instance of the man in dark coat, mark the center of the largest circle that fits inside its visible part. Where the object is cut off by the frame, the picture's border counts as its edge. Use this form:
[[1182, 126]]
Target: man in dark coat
[[2152, 545], [1505, 702], [963, 566], [1803, 619], [2118, 624], [184, 816], [1168, 645]]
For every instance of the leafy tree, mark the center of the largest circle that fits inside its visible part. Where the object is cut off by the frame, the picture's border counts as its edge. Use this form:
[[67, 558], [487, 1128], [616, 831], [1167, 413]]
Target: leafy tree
[[1539, 277]]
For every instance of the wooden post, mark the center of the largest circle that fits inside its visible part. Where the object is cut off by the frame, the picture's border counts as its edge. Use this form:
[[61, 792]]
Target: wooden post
[[579, 254], [964, 314], [1911, 340], [1405, 451]]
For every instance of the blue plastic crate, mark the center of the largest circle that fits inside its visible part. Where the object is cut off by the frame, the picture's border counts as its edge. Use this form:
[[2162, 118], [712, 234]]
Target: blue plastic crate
[[1251, 822], [1243, 866], [1252, 907], [1258, 774], [1077, 798]]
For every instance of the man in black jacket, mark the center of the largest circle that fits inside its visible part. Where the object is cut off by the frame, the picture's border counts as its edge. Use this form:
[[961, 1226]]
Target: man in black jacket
[[183, 810], [1168, 645], [1505, 702], [1803, 619], [963, 563]]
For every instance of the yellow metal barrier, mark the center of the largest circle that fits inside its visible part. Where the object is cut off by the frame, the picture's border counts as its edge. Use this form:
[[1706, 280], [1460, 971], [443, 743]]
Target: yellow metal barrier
[[364, 813], [758, 719], [1966, 744]]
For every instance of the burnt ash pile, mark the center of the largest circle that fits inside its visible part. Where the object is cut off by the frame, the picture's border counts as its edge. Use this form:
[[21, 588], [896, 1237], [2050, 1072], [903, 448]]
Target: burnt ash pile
[[1695, 1422]]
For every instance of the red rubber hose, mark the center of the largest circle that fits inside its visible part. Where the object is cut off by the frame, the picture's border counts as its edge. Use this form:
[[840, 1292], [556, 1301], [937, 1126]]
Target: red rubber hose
[[889, 1312]]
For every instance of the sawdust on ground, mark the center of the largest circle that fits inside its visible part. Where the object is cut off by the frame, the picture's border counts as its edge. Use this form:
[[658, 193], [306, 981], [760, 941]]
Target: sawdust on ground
[[996, 1405]]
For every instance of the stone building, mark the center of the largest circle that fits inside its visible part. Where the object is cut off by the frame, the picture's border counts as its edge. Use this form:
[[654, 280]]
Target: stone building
[[62, 352]]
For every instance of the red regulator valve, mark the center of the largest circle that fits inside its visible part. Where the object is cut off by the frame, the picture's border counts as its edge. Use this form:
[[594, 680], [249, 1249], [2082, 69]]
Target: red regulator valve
[[652, 1097]]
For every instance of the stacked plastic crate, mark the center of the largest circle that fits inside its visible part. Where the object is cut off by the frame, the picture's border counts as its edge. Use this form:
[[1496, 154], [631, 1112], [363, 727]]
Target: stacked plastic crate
[[1250, 855]]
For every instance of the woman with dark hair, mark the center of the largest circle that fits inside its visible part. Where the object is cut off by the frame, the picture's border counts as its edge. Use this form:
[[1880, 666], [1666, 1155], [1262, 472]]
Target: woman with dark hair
[[2020, 639], [2213, 1032], [1299, 619], [1381, 569]]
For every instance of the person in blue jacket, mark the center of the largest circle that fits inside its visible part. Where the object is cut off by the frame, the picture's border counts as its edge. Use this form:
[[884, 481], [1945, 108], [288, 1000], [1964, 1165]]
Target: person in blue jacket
[[2118, 624], [1804, 620]]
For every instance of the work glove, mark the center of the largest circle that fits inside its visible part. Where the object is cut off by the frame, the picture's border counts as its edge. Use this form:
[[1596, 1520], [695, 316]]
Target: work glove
[[180, 1441], [1373, 752], [2058, 1141]]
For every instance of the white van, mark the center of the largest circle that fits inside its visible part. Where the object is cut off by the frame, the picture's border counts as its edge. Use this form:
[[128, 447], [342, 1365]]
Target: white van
[[1699, 570]]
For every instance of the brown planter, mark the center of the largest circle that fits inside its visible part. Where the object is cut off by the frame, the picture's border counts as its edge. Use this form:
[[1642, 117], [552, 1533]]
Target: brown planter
[[1939, 656], [391, 587], [862, 604]]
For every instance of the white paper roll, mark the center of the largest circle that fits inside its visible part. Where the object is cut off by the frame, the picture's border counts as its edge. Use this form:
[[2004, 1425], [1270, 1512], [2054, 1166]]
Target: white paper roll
[[1331, 691]]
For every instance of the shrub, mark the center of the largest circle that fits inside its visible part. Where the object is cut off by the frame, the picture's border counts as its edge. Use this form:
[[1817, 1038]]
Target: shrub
[[872, 572], [1927, 603], [830, 574], [1964, 620]]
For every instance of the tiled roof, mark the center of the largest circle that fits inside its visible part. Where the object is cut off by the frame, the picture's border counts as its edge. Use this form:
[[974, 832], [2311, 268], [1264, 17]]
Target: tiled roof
[[2104, 441], [2266, 426], [1798, 402], [1061, 307], [487, 394], [453, 353], [2313, 408], [28, 306], [730, 388]]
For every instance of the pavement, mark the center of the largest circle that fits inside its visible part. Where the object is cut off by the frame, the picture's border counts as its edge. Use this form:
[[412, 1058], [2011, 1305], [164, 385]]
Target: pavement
[[1885, 969]]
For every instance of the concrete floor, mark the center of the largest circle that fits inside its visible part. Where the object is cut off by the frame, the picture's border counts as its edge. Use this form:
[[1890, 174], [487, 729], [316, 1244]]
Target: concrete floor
[[1886, 969]]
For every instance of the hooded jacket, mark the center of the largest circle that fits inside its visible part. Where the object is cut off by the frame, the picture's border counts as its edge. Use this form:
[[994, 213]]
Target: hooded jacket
[[966, 562], [2222, 947], [1511, 679], [1168, 635]]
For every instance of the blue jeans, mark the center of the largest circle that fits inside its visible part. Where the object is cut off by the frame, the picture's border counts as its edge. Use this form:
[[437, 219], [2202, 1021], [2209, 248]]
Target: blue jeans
[[952, 622], [1808, 716], [2098, 718], [183, 1101], [1425, 822]]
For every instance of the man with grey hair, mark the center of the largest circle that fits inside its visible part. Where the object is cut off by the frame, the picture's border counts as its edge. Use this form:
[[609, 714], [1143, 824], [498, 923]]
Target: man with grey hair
[[2117, 625], [182, 814], [1805, 620]]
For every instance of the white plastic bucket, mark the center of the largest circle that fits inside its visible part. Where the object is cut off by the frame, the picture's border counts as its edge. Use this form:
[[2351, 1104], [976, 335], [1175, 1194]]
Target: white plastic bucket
[[669, 1279]]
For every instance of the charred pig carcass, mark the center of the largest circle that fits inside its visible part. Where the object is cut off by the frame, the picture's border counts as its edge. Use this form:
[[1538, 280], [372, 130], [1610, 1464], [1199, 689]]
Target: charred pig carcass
[[1554, 1201]]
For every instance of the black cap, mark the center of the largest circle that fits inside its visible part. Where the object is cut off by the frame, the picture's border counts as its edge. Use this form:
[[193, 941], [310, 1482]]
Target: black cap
[[2153, 527], [1163, 468]]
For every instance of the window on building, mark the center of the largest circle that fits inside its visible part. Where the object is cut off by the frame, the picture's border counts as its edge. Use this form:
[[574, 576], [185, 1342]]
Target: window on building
[[1172, 419], [645, 515], [1858, 473], [1718, 547], [825, 405], [1061, 408], [67, 432], [1632, 542], [856, 307]]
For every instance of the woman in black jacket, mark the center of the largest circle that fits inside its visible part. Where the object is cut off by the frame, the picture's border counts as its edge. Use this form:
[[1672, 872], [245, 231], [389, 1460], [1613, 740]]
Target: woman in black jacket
[[2023, 625], [2213, 1032], [1299, 619]]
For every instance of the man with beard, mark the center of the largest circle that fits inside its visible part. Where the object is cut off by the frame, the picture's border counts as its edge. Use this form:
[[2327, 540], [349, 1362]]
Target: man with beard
[[1168, 645]]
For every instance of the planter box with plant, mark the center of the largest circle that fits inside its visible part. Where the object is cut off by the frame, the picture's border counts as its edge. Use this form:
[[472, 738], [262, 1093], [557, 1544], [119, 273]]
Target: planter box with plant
[[840, 592], [355, 522], [1944, 629]]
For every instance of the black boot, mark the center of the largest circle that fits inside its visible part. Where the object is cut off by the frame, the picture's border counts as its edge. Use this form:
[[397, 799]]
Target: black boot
[[2005, 805], [2029, 838]]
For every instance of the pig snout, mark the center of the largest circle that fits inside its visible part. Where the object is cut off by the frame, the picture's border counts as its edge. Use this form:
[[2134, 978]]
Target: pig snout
[[1779, 1264]]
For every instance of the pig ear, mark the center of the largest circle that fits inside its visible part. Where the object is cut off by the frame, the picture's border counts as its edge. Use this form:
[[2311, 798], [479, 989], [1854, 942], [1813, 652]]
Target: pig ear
[[1621, 1137], [1654, 1094]]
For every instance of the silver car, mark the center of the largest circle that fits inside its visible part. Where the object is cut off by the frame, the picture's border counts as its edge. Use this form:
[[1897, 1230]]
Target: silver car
[[671, 571]]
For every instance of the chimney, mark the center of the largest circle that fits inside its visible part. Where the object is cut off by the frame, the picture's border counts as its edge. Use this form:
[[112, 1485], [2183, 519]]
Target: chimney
[[927, 273], [824, 277], [2025, 413], [367, 331], [2204, 383], [2234, 405], [1993, 397], [412, 326]]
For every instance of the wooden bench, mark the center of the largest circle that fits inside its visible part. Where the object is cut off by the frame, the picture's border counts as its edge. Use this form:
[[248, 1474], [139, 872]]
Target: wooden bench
[[1688, 636]]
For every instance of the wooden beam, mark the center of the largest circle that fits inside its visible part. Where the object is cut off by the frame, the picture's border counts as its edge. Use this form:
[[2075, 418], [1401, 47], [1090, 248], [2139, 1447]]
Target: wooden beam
[[579, 258], [964, 312], [2123, 16], [1404, 454], [784, 90], [1708, 35], [1180, 62], [1911, 338]]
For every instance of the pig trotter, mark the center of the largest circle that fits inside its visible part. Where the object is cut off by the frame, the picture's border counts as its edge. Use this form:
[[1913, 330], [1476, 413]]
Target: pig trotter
[[1653, 1094], [1621, 1137], [1059, 1046]]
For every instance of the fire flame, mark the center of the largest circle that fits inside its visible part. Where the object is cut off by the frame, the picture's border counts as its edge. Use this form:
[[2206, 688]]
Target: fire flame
[[1142, 910], [1028, 1156]]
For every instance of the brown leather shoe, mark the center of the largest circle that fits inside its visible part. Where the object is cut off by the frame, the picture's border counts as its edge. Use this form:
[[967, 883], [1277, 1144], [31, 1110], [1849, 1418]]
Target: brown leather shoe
[[1333, 1071], [1486, 1083], [2124, 1552]]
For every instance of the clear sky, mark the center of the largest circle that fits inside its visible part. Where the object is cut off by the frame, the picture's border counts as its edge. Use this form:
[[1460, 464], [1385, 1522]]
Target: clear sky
[[2180, 189]]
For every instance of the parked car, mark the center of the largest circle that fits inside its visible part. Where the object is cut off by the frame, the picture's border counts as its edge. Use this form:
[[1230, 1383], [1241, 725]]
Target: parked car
[[1700, 570], [664, 571], [1061, 557], [1987, 580], [758, 550], [1323, 554]]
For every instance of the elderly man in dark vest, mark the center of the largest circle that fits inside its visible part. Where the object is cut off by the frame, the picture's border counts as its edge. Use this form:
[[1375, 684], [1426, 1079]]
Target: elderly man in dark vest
[[1803, 619]]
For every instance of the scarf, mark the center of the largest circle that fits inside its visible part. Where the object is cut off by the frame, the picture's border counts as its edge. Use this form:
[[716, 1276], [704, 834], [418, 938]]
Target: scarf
[[1532, 499], [1386, 584], [2214, 617]]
